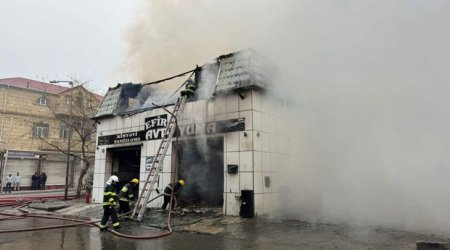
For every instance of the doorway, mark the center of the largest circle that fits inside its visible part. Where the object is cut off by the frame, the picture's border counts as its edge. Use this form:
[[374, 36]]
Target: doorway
[[200, 164], [126, 163]]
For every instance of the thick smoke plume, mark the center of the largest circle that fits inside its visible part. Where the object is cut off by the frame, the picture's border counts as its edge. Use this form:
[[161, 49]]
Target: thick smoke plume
[[370, 80]]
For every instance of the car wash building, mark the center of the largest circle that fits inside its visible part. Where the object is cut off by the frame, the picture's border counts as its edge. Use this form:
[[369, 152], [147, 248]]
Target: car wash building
[[232, 144]]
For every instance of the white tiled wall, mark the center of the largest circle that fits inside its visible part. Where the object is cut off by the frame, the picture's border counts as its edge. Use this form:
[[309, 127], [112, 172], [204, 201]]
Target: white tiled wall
[[246, 180], [258, 151], [232, 103], [246, 161]]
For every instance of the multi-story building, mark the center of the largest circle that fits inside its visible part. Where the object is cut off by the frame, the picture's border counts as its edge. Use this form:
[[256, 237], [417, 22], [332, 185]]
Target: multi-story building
[[34, 129]]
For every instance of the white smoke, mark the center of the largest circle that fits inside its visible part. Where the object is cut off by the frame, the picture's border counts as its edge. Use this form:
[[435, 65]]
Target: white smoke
[[371, 83]]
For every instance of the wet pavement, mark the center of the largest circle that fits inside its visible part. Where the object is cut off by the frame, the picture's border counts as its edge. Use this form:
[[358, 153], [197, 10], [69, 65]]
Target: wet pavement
[[199, 228], [258, 233]]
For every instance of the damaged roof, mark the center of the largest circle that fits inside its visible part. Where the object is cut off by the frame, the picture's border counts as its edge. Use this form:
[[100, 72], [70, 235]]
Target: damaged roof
[[239, 70], [242, 69]]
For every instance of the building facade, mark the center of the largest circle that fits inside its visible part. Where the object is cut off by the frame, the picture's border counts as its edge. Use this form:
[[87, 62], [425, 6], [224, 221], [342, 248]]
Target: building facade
[[34, 129], [233, 137]]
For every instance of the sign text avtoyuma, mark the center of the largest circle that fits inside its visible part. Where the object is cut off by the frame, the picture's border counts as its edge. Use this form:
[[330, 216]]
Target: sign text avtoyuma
[[155, 127]]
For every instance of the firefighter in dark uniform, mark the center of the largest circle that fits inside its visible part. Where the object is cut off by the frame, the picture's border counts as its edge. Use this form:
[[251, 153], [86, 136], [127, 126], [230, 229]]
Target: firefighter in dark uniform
[[109, 203], [172, 187], [126, 196], [190, 88]]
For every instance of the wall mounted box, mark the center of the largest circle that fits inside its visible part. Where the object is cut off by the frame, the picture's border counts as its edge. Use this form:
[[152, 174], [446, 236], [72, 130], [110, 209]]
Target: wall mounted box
[[232, 169]]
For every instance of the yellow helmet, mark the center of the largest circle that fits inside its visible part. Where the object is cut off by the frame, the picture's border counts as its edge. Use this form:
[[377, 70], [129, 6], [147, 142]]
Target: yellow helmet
[[136, 181], [181, 182]]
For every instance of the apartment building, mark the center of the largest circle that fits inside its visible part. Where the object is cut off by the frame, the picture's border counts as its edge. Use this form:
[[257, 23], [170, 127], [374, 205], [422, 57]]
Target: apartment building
[[34, 129]]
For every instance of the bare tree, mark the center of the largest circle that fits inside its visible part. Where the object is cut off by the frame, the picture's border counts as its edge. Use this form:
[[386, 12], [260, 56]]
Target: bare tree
[[74, 109]]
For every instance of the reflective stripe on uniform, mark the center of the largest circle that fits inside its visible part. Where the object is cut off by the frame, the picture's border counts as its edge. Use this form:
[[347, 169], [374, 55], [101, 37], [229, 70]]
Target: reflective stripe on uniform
[[116, 224], [124, 189], [102, 226], [123, 199], [109, 193]]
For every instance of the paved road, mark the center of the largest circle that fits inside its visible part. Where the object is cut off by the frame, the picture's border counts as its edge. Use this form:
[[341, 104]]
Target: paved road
[[249, 234]]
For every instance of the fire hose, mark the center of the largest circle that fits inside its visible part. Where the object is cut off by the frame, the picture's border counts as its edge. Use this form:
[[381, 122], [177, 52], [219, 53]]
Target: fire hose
[[20, 205]]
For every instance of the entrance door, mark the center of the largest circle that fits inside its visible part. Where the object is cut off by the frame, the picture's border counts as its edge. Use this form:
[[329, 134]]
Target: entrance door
[[200, 164], [126, 163]]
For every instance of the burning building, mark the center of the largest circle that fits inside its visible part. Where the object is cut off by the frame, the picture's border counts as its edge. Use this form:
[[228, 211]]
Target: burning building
[[233, 141]]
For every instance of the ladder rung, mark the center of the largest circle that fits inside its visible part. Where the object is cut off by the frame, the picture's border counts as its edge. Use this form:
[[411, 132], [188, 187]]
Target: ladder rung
[[139, 210]]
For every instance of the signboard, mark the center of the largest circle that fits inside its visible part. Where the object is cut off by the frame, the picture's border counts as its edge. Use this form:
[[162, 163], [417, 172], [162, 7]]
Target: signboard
[[22, 154], [148, 162], [155, 127], [121, 138], [148, 167], [215, 127]]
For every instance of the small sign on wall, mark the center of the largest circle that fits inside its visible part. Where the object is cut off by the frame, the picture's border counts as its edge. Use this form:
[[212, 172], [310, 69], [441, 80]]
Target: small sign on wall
[[148, 162], [148, 165]]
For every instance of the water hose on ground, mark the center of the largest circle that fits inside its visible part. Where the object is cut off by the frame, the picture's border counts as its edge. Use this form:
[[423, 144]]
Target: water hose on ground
[[20, 204]]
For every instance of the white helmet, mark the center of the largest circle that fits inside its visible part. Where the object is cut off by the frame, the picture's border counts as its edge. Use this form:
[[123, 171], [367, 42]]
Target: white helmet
[[112, 179]]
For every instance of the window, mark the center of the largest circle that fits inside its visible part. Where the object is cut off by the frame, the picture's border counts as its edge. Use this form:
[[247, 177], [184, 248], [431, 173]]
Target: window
[[40, 130], [78, 124], [42, 101], [87, 134], [64, 131], [68, 100], [79, 101]]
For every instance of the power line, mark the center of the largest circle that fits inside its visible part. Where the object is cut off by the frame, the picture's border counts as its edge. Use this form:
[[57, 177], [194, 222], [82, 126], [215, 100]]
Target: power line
[[169, 78]]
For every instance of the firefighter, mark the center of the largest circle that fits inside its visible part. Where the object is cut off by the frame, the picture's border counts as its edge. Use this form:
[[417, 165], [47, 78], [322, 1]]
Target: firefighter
[[109, 203], [172, 187], [191, 86], [126, 196]]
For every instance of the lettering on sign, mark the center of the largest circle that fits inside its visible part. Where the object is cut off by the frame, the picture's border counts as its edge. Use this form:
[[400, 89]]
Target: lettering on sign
[[155, 127], [22, 154]]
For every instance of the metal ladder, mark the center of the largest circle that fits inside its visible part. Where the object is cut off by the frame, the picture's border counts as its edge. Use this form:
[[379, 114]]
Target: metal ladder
[[141, 204]]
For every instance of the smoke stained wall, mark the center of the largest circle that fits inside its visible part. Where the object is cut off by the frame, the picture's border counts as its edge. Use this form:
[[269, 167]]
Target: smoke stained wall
[[370, 83]]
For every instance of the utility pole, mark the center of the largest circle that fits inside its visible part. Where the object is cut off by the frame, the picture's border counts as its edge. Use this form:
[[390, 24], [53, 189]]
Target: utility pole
[[7, 152], [66, 186]]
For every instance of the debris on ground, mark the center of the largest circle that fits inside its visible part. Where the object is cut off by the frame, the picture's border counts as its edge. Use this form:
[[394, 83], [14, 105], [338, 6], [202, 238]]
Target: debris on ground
[[49, 205]]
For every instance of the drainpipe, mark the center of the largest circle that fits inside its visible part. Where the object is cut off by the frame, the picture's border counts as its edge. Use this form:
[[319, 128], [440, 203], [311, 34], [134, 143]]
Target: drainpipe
[[4, 110]]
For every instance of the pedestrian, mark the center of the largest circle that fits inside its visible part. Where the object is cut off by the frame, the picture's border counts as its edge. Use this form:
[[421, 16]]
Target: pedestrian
[[126, 196], [34, 181], [17, 182], [9, 181], [171, 188], [109, 203], [43, 180], [38, 181]]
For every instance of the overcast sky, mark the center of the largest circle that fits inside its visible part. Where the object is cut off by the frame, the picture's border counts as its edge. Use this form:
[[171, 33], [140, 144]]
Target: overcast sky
[[53, 39]]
